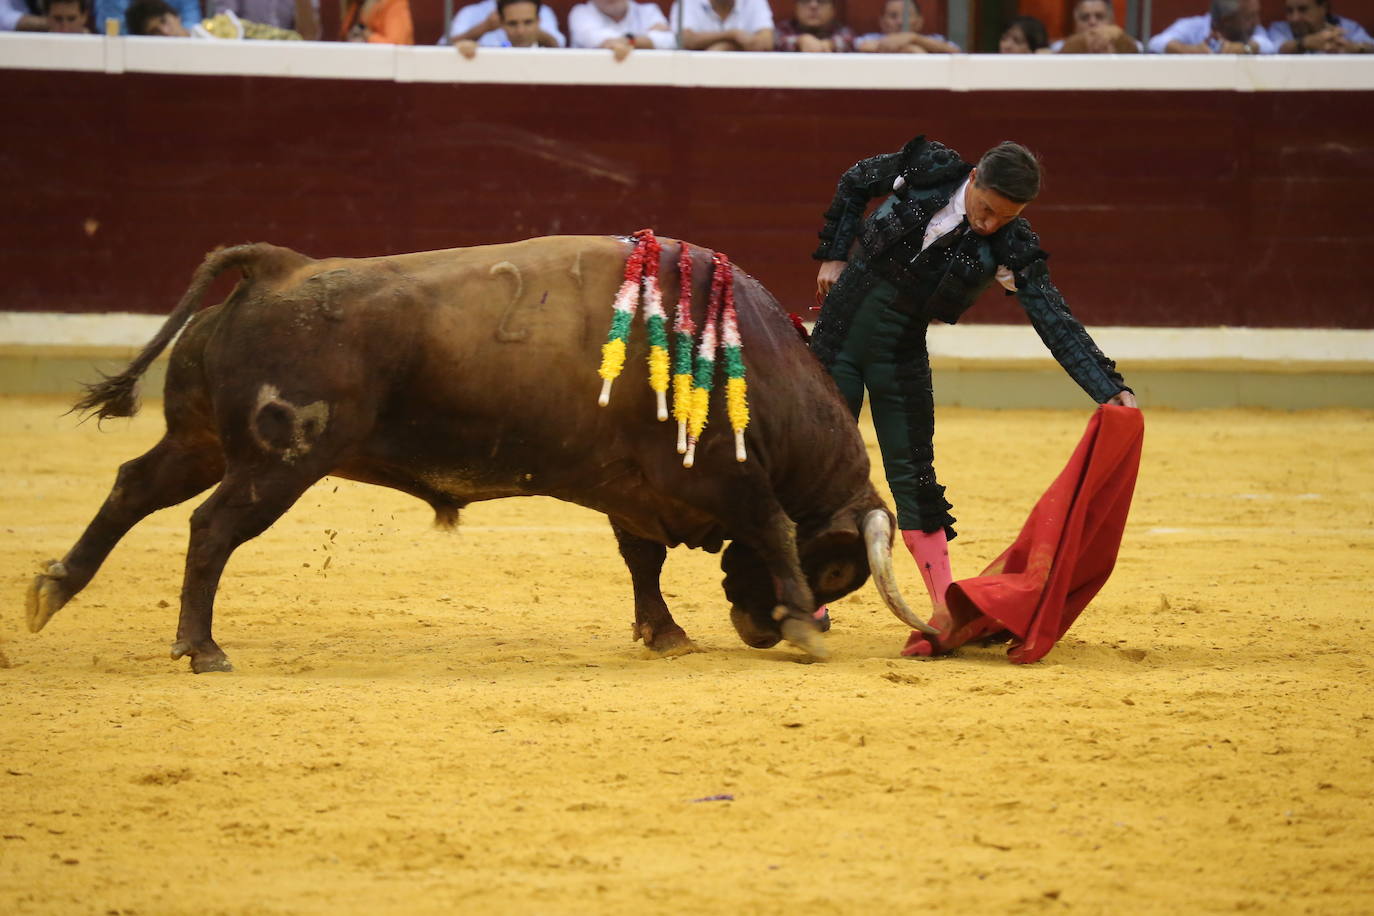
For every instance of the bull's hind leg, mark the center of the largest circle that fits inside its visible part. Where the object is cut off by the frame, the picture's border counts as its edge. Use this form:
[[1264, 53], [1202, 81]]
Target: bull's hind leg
[[244, 505], [653, 622], [171, 472]]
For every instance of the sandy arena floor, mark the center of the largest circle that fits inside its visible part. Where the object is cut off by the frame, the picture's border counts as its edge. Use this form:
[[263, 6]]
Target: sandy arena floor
[[427, 722]]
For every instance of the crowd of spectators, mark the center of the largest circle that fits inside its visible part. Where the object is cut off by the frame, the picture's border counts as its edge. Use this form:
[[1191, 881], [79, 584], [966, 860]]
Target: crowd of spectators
[[813, 26]]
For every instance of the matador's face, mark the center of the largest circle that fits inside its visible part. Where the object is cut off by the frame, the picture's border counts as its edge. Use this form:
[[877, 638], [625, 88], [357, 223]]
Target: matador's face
[[988, 210]]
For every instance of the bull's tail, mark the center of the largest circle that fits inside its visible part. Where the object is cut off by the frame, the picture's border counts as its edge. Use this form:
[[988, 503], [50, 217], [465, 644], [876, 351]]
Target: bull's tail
[[117, 395]]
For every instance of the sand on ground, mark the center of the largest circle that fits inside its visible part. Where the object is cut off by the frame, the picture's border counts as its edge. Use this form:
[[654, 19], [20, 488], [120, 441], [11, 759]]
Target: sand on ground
[[432, 722]]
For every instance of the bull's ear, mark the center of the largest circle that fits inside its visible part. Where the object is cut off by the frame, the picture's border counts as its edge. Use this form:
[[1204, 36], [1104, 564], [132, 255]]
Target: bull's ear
[[835, 561]]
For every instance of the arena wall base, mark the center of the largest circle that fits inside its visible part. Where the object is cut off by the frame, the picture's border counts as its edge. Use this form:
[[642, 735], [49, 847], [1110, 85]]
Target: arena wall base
[[975, 365], [63, 371], [967, 384], [958, 382]]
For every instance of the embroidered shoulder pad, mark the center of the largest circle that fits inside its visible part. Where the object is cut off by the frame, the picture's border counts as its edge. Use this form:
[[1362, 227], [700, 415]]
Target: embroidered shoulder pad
[[1016, 245], [927, 163]]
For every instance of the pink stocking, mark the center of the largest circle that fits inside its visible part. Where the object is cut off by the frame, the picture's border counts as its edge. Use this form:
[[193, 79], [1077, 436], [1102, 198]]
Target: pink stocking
[[931, 552]]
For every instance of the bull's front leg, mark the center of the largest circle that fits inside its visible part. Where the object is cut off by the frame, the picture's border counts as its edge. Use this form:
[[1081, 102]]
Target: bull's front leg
[[776, 543], [653, 622]]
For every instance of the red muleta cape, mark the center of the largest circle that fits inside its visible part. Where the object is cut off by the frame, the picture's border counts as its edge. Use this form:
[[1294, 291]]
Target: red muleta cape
[[1066, 550]]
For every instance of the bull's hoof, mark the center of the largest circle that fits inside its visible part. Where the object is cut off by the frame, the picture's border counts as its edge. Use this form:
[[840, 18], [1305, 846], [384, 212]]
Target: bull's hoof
[[46, 596], [668, 643], [201, 665], [204, 658], [805, 635]]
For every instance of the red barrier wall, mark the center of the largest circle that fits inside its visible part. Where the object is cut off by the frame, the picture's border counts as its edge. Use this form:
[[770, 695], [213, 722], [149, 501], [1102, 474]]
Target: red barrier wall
[[1165, 209]]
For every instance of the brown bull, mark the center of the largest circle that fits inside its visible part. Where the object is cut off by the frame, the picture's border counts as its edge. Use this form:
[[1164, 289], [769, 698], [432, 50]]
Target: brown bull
[[471, 374]]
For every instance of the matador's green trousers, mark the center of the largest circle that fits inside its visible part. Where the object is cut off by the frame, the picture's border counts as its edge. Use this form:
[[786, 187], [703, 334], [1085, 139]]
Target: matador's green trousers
[[885, 353]]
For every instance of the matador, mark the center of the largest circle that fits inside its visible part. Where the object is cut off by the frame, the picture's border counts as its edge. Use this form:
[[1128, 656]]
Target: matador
[[944, 233]]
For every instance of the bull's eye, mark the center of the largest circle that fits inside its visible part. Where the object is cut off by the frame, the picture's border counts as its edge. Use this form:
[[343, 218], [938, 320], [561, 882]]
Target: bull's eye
[[835, 577]]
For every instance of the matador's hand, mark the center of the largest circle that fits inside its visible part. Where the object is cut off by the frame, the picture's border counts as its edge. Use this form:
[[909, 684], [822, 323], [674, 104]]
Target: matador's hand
[[830, 272], [1123, 398]]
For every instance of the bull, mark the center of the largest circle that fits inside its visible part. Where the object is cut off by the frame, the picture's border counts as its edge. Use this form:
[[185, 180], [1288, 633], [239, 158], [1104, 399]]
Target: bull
[[471, 374]]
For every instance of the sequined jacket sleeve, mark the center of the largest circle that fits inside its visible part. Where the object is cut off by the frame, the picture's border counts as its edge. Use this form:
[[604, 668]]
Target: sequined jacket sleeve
[[863, 181], [1068, 342]]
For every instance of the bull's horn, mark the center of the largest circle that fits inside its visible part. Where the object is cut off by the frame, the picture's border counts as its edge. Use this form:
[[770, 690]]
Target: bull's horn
[[878, 538]]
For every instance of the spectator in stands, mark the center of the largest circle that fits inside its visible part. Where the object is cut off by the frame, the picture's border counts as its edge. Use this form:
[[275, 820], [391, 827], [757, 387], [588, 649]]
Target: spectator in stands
[[481, 23], [1232, 27], [723, 25], [72, 17], [1095, 32], [814, 27], [1312, 29], [899, 31], [519, 29], [155, 17], [1024, 35], [303, 16], [118, 10], [621, 25], [383, 22], [15, 16]]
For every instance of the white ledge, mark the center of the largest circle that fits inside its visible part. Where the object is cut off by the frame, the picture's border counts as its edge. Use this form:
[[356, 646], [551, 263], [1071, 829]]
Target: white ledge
[[958, 72], [986, 342], [1137, 346]]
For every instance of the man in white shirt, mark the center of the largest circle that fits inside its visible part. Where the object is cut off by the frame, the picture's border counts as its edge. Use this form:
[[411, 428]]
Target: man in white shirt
[[520, 28], [620, 25], [15, 17], [723, 25], [899, 32], [1310, 28], [481, 22], [72, 17], [1095, 32], [1232, 27]]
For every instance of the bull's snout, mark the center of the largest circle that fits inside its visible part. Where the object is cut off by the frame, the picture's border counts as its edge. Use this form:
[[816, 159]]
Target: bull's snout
[[805, 634], [755, 634]]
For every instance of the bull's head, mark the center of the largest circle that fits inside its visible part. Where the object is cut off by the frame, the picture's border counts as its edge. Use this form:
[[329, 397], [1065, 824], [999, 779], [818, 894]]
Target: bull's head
[[836, 561]]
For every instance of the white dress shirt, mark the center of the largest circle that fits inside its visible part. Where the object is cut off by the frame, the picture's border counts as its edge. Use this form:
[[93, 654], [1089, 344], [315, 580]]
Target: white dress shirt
[[948, 218], [1281, 31], [470, 15], [1197, 30], [588, 27], [11, 11], [699, 16]]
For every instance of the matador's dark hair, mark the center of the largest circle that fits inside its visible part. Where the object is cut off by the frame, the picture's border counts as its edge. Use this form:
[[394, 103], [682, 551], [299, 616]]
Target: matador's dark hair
[[1011, 170]]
